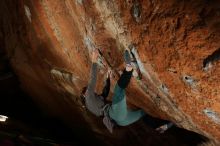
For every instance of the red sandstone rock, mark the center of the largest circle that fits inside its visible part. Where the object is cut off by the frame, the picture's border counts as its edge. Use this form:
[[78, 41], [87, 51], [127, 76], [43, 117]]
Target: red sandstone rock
[[50, 43]]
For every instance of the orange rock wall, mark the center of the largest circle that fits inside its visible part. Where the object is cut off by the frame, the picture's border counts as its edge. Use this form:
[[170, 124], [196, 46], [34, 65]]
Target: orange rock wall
[[49, 43]]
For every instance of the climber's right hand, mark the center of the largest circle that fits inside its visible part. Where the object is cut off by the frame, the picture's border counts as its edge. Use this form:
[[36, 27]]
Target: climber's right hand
[[95, 56]]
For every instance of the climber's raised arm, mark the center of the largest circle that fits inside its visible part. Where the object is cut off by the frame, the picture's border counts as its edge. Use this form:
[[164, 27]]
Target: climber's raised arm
[[93, 72]]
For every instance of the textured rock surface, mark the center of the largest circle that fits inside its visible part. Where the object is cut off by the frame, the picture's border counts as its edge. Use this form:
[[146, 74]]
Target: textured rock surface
[[177, 46]]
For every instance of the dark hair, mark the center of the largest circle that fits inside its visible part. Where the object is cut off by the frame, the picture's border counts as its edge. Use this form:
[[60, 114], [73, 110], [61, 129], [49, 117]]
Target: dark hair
[[83, 90], [82, 95]]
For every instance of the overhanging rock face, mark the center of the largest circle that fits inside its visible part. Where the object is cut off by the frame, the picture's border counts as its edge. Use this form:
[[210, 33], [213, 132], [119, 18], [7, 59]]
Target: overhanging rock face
[[176, 43]]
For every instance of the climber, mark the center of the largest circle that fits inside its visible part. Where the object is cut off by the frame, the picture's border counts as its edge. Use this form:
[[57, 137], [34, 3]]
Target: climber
[[117, 112]]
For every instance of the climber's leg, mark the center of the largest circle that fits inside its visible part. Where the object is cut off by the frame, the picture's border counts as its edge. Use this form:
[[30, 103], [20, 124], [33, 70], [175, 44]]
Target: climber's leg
[[131, 117], [118, 109]]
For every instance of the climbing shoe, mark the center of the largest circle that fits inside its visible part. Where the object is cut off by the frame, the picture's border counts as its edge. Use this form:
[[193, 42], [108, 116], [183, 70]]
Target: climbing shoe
[[137, 72], [127, 57]]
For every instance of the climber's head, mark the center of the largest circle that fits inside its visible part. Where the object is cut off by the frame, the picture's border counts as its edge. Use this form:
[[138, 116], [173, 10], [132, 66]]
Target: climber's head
[[83, 92]]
